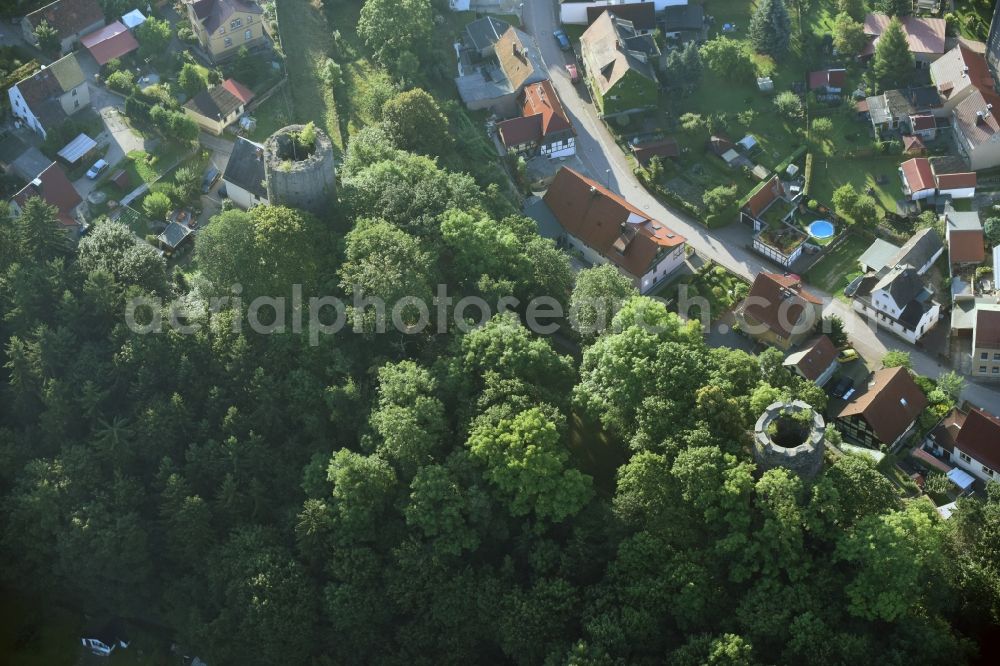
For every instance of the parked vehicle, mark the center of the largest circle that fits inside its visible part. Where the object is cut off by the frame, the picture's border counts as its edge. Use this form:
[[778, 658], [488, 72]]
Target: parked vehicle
[[848, 355], [100, 166], [574, 76], [842, 387], [211, 177], [562, 39]]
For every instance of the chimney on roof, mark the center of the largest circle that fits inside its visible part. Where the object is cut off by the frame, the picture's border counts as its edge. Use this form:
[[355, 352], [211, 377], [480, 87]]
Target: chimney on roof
[[37, 182], [593, 189]]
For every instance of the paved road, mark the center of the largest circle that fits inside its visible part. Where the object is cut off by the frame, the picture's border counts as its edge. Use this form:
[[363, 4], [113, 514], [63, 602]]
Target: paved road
[[607, 164]]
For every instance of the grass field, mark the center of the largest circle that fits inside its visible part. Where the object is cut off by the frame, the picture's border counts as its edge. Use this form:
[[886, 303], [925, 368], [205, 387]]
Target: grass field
[[836, 270], [307, 43]]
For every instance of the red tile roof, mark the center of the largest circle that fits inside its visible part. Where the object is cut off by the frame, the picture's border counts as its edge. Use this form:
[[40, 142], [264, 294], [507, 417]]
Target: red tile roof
[[890, 406], [956, 181], [980, 438], [55, 188], [778, 301], [68, 17], [827, 78], [924, 35], [913, 144], [918, 174], [542, 114], [110, 42], [819, 355], [987, 329], [966, 246], [644, 152], [624, 234], [238, 90], [924, 121], [770, 192]]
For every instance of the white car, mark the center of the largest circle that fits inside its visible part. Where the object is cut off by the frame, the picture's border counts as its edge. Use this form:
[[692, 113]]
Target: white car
[[99, 167]]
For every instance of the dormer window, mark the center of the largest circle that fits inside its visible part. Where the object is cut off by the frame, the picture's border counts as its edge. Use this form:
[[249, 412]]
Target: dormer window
[[222, 30]]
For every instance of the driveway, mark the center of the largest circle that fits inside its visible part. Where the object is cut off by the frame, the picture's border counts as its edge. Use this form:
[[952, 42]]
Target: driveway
[[606, 163], [120, 138]]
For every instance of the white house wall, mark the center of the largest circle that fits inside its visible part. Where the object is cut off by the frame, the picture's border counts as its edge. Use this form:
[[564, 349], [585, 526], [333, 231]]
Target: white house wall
[[665, 267], [973, 466], [242, 198], [961, 193], [20, 109]]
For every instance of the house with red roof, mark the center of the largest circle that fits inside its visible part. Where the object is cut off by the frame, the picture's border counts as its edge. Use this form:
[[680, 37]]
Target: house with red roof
[[71, 19], [219, 107], [956, 185], [884, 414], [828, 80], [543, 128], [925, 36], [977, 445], [605, 228], [816, 361], [110, 43], [55, 189], [918, 178], [986, 342], [778, 311]]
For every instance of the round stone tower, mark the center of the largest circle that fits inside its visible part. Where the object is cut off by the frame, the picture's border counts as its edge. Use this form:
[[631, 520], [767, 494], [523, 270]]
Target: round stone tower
[[299, 174], [790, 435]]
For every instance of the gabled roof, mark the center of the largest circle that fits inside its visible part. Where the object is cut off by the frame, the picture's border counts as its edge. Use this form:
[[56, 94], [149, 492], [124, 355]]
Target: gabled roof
[[485, 32], [924, 35], [959, 68], [827, 78], [238, 90], [110, 42], [956, 181], [519, 58], [976, 120], [68, 17], [980, 438], [987, 331], [216, 103], [922, 122], [644, 152], [966, 246], [946, 432], [42, 89], [917, 251], [778, 301], [918, 174], [543, 115], [641, 14], [623, 233], [814, 358], [689, 16], [878, 255], [216, 13], [913, 144], [54, 187], [768, 193], [612, 48], [903, 283], [891, 404], [245, 168], [174, 234], [959, 220]]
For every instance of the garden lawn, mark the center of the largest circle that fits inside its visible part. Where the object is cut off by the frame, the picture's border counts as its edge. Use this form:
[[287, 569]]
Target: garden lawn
[[307, 41], [271, 116], [839, 266], [721, 288], [831, 173]]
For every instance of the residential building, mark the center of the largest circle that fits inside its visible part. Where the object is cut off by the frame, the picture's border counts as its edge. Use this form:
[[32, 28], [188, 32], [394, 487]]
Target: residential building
[[977, 445], [767, 209], [71, 19], [543, 128], [925, 36], [619, 65], [244, 177], [921, 251], [497, 83], [483, 34], [641, 14], [48, 97], [220, 106], [110, 42], [778, 311], [986, 342], [684, 22], [898, 300], [574, 12], [966, 242], [816, 361], [647, 150], [828, 80], [923, 125], [956, 185], [977, 132], [605, 228], [892, 109], [885, 414], [959, 73], [224, 26], [55, 189], [918, 178]]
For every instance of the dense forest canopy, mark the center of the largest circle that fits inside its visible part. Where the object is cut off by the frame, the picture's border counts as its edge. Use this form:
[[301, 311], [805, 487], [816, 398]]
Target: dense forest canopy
[[385, 498]]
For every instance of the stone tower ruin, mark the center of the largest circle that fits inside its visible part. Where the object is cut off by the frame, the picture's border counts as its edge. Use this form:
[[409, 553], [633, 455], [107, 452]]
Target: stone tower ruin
[[790, 435], [298, 175]]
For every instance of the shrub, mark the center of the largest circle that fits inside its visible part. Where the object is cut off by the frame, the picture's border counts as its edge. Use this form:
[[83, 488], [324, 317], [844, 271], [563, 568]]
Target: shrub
[[156, 205], [788, 104], [122, 80], [822, 126]]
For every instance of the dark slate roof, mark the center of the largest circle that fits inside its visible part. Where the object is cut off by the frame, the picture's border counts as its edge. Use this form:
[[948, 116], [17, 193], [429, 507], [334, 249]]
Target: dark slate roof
[[245, 168], [68, 17], [902, 283], [683, 17], [641, 14], [216, 103], [485, 32], [215, 13], [919, 249], [174, 234]]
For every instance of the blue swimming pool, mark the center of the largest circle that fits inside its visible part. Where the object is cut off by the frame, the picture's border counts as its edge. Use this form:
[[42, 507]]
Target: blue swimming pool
[[821, 229]]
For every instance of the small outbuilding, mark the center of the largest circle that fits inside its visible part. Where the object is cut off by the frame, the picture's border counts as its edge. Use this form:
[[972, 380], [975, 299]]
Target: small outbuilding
[[77, 149], [174, 235]]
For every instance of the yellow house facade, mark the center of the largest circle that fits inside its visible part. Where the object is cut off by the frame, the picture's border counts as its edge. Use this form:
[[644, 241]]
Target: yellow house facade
[[225, 26]]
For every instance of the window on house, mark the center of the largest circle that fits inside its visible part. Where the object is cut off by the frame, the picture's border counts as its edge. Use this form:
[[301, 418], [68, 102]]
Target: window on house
[[228, 42], [250, 19], [984, 356], [248, 35], [76, 104], [996, 370], [222, 30], [987, 471], [235, 23], [965, 457], [982, 368], [74, 92], [996, 356]]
